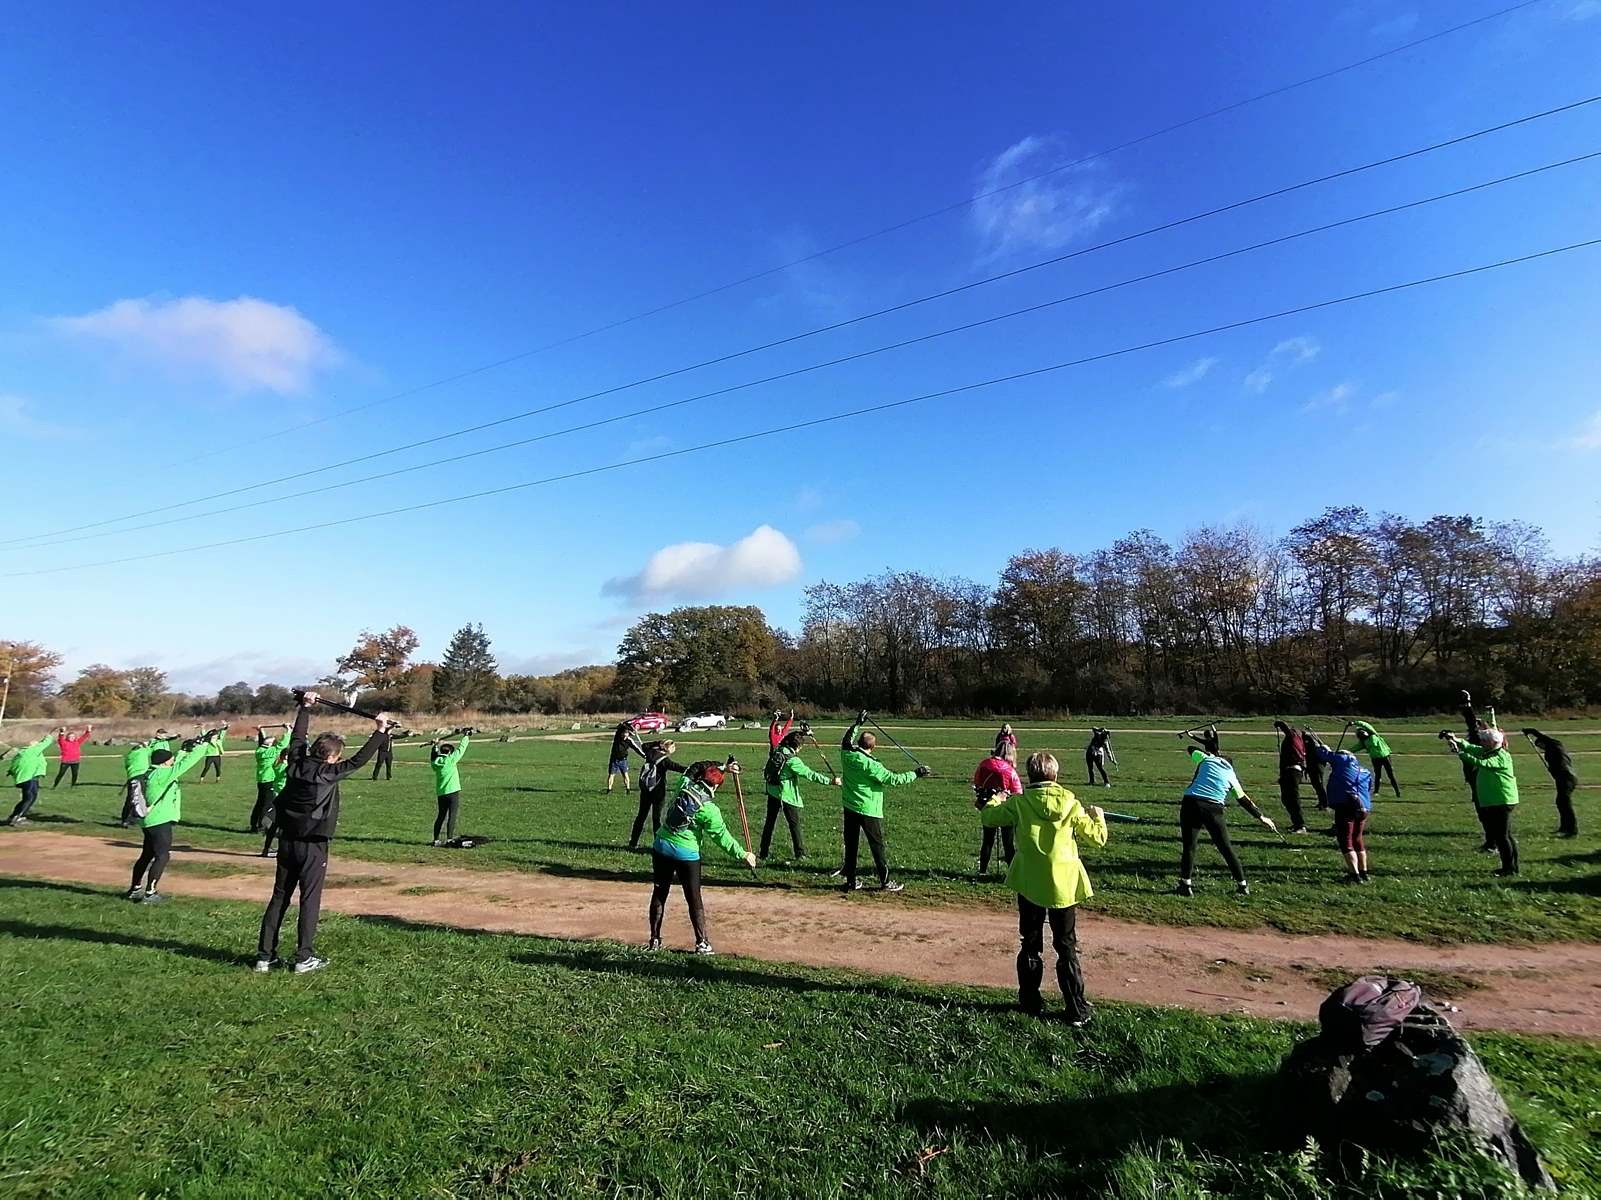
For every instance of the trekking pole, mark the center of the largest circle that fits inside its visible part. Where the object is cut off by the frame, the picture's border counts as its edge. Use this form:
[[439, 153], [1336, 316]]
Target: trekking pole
[[896, 744], [744, 821], [1120, 818], [821, 753], [1343, 732]]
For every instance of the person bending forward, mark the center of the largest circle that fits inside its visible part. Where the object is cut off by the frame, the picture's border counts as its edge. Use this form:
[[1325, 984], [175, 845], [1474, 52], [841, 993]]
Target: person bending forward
[[675, 855], [1203, 807]]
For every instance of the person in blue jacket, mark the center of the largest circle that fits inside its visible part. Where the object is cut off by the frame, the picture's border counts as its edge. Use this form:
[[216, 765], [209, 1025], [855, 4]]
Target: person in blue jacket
[[1350, 791]]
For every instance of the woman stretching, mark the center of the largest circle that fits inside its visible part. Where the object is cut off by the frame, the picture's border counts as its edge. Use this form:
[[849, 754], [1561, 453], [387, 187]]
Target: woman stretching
[[676, 852], [653, 787]]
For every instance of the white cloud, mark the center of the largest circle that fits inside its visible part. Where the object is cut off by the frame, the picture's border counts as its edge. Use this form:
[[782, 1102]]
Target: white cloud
[[1193, 373], [1589, 436], [808, 499], [1041, 214], [1336, 399], [249, 344], [254, 667], [16, 419], [641, 447], [702, 570], [1583, 10], [1283, 358], [830, 533]]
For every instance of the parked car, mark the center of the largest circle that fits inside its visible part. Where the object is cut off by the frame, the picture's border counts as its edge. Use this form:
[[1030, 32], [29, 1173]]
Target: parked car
[[649, 722], [703, 720]]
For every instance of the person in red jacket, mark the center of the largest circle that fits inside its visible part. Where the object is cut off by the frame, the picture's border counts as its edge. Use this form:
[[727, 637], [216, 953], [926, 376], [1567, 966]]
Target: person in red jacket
[[996, 779], [70, 747]]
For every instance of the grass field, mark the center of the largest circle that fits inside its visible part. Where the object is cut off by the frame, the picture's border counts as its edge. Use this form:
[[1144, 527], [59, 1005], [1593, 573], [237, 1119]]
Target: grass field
[[140, 1058], [539, 801]]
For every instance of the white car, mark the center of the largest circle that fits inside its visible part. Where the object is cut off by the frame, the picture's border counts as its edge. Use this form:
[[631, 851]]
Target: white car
[[702, 721]]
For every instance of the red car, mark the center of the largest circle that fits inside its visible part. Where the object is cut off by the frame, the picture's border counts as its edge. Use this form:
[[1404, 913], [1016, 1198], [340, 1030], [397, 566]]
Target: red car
[[650, 722]]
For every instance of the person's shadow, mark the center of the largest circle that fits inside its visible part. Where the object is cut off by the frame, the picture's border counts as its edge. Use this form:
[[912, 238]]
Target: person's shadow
[[48, 931]]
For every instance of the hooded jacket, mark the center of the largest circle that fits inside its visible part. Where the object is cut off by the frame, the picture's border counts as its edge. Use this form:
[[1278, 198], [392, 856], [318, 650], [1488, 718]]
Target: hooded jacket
[[29, 761], [308, 808], [1495, 781], [1046, 869]]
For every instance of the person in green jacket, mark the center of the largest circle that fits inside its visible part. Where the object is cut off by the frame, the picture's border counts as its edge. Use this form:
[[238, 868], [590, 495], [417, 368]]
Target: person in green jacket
[[1049, 879], [135, 766], [26, 769], [164, 795], [784, 773], [1495, 790], [675, 855], [863, 779], [445, 758], [213, 760], [1378, 750], [268, 750], [280, 776]]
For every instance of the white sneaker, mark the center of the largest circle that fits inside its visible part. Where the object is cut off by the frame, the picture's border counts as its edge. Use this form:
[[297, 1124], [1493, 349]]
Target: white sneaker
[[314, 963], [263, 965], [704, 949]]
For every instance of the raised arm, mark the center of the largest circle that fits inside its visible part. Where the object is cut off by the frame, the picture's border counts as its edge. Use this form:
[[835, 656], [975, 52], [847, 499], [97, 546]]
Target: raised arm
[[848, 742], [1089, 824]]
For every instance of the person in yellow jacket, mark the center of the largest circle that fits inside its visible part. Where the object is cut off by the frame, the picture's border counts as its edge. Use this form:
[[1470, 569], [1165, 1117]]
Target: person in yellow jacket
[[1049, 879]]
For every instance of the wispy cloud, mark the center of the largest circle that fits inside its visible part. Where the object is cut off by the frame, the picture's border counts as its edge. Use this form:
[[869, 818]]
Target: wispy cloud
[[651, 444], [1336, 399], [1282, 359], [1588, 438], [1041, 214], [808, 499], [831, 533], [249, 344], [1194, 373], [703, 570], [16, 419], [1583, 10]]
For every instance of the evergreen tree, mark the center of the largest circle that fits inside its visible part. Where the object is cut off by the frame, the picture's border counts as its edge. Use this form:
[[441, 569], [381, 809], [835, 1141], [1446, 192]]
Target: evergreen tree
[[466, 676]]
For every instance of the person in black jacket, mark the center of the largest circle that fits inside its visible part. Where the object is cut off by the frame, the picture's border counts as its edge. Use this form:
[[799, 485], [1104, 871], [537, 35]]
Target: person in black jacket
[[384, 760], [1560, 763], [1292, 765], [623, 740], [308, 812], [653, 787]]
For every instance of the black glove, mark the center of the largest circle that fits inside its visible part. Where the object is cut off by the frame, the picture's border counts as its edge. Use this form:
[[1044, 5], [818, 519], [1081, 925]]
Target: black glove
[[1444, 733], [924, 772], [861, 717]]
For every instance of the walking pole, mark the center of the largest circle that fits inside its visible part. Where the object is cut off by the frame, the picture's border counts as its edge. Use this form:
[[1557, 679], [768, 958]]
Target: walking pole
[[739, 792], [1343, 732], [1122, 818], [896, 744], [821, 753]]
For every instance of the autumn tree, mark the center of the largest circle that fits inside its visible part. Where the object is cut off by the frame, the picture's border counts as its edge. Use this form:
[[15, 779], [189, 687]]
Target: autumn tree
[[467, 675], [29, 671], [99, 691], [377, 662]]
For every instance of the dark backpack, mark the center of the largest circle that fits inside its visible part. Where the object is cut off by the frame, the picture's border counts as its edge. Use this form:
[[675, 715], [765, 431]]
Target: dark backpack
[[773, 772], [1366, 1012]]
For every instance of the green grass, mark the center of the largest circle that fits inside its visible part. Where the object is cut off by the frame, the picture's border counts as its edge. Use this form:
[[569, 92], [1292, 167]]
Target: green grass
[[539, 802], [142, 1058]]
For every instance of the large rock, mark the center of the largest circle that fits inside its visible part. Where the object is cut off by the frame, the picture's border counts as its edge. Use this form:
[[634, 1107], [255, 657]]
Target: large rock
[[1402, 1096]]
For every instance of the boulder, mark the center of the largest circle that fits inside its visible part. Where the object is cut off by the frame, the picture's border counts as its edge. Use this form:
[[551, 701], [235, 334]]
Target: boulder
[[1403, 1095]]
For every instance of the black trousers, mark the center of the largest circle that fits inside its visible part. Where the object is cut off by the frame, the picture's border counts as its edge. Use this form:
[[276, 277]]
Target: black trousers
[[1569, 821], [987, 847], [792, 817], [1290, 797], [153, 856], [1383, 767], [1094, 762], [384, 760], [1196, 815], [1497, 822], [30, 796], [261, 815], [664, 872], [449, 808], [856, 825], [61, 772], [648, 806], [213, 763], [1031, 920], [1315, 778], [302, 865], [272, 830]]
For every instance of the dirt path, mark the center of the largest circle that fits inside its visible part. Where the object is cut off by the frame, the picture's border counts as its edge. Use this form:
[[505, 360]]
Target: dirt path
[[1553, 989]]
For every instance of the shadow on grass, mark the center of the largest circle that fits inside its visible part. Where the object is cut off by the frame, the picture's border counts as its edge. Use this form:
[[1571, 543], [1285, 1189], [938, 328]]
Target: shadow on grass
[[49, 818], [100, 937], [1232, 1116], [51, 885], [1583, 885]]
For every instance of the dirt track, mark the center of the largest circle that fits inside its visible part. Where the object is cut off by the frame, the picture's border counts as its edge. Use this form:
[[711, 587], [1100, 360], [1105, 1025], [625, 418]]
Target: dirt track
[[1553, 989]]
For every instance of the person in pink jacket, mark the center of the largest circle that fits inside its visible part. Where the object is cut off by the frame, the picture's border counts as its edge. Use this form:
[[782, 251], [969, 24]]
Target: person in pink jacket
[[996, 779], [70, 747]]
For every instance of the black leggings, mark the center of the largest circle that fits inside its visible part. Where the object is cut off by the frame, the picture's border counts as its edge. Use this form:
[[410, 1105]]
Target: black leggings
[[987, 847], [1497, 822], [856, 825], [1382, 767], [649, 804], [261, 815], [213, 763], [1196, 815], [1031, 957], [664, 871], [384, 760], [1095, 762], [65, 767], [1314, 776], [1568, 822], [792, 816], [30, 795], [1290, 797], [449, 807], [153, 857]]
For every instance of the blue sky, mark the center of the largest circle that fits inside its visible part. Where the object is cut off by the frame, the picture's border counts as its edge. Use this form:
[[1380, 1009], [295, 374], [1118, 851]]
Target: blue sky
[[222, 224]]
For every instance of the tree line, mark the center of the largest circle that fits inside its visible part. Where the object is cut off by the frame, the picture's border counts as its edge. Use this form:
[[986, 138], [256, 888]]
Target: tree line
[[1349, 611]]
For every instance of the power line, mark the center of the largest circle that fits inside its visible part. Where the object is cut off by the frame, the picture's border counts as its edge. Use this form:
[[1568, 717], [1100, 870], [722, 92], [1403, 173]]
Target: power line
[[886, 230], [902, 306], [815, 422], [860, 354]]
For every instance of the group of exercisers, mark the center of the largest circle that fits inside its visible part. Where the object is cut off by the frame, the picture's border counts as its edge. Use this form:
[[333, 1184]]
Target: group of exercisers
[[1036, 825]]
